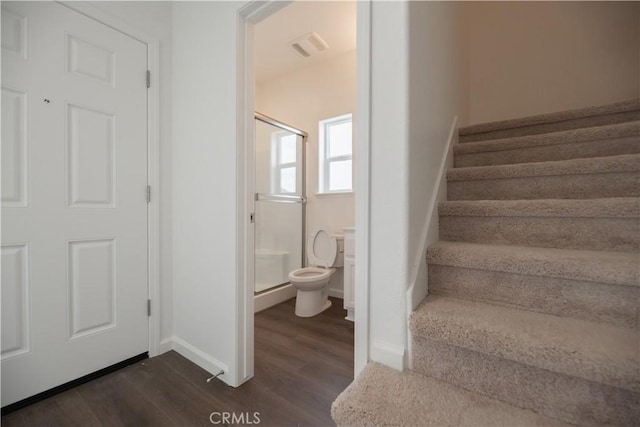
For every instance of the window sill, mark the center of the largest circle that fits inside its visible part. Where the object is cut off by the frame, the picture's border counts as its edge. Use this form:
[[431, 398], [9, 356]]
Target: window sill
[[334, 194]]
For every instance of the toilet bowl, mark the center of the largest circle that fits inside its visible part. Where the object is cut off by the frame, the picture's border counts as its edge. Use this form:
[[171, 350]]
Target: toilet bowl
[[324, 252]]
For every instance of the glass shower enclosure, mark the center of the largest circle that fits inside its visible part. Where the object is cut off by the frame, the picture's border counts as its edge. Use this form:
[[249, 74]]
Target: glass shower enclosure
[[279, 202]]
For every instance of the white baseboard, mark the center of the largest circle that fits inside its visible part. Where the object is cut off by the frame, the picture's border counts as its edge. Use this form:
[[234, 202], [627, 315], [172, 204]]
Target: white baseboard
[[389, 355], [200, 358], [165, 345], [336, 293], [351, 315]]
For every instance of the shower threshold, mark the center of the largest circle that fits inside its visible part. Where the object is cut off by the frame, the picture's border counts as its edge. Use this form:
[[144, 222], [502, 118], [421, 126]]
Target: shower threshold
[[273, 296]]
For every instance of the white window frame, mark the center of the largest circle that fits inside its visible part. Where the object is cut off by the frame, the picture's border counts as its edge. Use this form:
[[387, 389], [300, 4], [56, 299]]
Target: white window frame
[[324, 160], [276, 166]]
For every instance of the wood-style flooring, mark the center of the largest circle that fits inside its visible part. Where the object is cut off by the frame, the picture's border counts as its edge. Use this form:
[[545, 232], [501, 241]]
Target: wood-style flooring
[[301, 365]]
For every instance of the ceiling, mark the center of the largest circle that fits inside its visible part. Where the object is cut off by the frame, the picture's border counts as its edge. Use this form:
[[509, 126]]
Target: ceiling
[[333, 21]]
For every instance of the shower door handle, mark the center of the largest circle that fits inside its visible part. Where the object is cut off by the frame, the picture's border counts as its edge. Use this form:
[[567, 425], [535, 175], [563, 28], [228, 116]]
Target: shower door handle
[[276, 198]]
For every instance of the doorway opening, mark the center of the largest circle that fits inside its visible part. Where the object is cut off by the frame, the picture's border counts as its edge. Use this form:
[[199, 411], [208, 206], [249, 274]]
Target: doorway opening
[[304, 68], [303, 92], [249, 16]]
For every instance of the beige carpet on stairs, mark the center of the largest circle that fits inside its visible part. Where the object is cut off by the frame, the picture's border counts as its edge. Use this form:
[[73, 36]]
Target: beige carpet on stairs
[[533, 314], [381, 396]]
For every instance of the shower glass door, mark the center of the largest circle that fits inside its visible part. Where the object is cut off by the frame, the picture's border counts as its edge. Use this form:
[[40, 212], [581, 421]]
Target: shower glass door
[[279, 202]]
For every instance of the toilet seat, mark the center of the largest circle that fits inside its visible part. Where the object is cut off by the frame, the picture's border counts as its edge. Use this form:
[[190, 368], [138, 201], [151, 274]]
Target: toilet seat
[[310, 274], [322, 248]]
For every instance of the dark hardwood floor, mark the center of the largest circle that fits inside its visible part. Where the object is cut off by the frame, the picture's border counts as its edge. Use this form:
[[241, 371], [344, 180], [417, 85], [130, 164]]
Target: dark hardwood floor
[[301, 365]]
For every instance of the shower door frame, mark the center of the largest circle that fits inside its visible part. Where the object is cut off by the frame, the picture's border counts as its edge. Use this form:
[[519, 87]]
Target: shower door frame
[[274, 198]]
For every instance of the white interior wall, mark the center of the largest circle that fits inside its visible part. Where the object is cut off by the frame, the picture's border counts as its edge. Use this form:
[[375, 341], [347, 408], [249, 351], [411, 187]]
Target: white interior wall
[[437, 102], [155, 19], [301, 99], [389, 151], [206, 297], [418, 90], [530, 58]]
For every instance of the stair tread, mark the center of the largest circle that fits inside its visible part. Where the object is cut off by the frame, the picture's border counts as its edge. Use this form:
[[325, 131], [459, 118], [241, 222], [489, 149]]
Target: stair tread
[[616, 207], [618, 107], [411, 399], [596, 133], [618, 268], [580, 348], [594, 165]]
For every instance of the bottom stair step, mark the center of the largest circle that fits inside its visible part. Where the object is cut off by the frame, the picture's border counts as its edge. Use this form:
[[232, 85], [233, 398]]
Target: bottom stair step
[[383, 396], [571, 399], [589, 350], [579, 371]]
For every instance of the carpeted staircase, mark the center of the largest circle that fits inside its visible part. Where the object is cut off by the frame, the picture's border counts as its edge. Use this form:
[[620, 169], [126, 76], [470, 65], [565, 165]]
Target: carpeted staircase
[[532, 316]]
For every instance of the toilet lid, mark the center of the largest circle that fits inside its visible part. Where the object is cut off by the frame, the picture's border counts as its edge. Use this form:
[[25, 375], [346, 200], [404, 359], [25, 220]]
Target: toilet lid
[[322, 248]]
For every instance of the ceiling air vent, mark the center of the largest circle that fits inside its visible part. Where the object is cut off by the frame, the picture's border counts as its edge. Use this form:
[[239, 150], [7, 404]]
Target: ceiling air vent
[[309, 44], [300, 49]]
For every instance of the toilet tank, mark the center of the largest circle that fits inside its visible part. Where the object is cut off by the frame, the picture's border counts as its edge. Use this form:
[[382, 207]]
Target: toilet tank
[[340, 255]]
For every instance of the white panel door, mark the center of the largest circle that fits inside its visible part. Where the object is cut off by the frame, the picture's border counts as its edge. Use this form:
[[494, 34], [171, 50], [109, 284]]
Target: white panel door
[[74, 210]]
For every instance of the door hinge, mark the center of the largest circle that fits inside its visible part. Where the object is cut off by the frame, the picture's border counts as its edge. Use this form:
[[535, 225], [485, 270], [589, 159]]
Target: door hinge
[[149, 308], [148, 79], [148, 194], [252, 217]]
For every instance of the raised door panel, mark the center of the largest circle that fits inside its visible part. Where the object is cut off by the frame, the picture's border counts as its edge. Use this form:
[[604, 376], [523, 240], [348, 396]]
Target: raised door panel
[[92, 286], [15, 300], [91, 163], [14, 148], [91, 60], [14, 33]]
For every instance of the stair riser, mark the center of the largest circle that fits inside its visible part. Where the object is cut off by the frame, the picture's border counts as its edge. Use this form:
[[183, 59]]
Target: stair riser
[[602, 120], [613, 304], [560, 396], [585, 186], [598, 234], [545, 153]]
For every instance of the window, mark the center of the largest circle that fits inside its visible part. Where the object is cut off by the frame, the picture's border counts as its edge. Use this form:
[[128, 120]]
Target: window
[[335, 154], [283, 160]]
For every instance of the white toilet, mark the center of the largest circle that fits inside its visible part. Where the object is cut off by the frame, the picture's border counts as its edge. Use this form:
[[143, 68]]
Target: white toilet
[[324, 251]]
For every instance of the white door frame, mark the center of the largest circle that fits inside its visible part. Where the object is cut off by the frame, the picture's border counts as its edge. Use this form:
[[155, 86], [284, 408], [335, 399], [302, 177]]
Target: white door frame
[[248, 16], [362, 186], [153, 158]]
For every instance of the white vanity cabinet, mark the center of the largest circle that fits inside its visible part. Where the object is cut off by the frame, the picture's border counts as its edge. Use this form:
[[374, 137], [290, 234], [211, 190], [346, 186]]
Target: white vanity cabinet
[[349, 271]]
